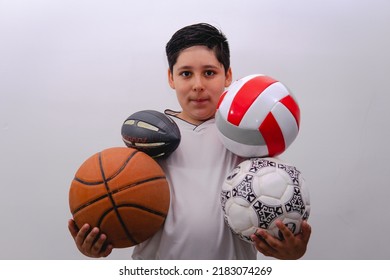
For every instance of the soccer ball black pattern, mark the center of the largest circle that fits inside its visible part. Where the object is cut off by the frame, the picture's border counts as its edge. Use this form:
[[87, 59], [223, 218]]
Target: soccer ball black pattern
[[259, 191], [244, 189], [266, 213]]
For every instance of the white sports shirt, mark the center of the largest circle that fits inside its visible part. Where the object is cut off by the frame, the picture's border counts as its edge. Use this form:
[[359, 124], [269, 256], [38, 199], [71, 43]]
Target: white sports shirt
[[195, 227]]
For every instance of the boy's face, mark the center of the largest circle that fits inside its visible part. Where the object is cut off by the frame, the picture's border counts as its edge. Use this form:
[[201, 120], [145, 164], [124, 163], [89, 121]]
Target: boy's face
[[199, 80]]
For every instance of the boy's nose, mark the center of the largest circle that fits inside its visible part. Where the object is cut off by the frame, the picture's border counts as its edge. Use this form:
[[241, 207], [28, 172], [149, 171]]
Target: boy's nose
[[198, 84]]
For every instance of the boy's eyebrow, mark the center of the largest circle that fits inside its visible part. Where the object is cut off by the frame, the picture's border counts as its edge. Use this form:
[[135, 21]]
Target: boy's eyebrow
[[188, 67]]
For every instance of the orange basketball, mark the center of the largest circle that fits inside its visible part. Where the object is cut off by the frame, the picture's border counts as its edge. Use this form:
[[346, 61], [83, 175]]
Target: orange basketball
[[122, 191]]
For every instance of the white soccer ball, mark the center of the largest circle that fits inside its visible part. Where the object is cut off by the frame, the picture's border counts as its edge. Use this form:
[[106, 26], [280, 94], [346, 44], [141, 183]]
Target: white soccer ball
[[257, 116], [260, 191]]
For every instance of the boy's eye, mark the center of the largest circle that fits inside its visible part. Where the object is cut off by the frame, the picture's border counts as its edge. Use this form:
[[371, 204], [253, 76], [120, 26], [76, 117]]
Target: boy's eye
[[185, 74], [209, 73]]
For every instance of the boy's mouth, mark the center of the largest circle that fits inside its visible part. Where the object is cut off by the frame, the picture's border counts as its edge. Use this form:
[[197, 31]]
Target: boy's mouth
[[200, 101]]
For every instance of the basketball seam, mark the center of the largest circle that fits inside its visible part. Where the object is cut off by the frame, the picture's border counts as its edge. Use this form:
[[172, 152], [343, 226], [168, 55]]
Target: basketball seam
[[151, 211], [104, 179], [116, 191], [129, 236], [133, 205], [87, 183]]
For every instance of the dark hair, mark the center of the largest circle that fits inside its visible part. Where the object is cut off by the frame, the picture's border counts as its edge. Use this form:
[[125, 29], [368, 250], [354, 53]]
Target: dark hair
[[200, 34]]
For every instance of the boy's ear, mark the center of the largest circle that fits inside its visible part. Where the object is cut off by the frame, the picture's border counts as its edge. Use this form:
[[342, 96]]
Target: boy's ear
[[170, 79], [229, 77]]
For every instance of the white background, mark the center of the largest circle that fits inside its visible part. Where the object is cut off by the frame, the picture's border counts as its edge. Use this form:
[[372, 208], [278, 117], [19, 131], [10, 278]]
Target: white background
[[72, 71]]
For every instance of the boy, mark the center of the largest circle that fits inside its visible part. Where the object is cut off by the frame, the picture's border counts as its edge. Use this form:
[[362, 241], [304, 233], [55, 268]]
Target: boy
[[199, 71]]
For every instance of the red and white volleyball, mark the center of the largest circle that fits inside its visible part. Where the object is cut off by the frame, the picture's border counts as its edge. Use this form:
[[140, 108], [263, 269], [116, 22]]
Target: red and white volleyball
[[257, 116]]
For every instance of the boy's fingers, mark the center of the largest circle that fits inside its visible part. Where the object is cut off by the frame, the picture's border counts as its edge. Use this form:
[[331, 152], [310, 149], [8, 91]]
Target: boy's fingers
[[72, 228]]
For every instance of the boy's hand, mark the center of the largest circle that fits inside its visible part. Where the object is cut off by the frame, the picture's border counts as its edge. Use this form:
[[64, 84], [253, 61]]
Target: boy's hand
[[90, 243], [291, 247]]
